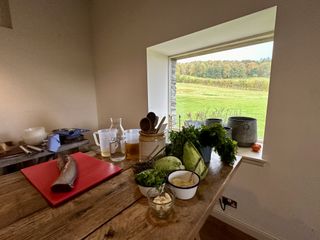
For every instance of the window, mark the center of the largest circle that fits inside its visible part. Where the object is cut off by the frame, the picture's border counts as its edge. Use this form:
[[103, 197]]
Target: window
[[233, 81], [248, 30]]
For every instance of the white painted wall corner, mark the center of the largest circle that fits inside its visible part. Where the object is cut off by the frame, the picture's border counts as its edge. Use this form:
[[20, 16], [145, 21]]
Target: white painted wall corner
[[242, 226]]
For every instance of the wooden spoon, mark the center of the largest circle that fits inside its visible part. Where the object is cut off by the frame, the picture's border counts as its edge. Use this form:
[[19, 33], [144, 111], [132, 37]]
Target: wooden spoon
[[145, 125], [152, 117]]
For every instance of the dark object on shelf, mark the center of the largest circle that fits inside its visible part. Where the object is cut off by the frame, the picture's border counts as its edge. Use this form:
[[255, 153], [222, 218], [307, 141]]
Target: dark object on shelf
[[244, 130], [70, 135], [37, 149], [27, 151], [12, 151], [20, 157], [5, 146]]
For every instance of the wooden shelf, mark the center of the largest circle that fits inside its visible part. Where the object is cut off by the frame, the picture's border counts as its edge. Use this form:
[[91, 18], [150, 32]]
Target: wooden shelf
[[4, 162]]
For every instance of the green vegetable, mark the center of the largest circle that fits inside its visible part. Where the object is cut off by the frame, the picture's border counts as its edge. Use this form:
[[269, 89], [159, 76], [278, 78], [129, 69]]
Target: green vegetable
[[168, 164], [150, 178], [227, 150], [213, 136], [191, 157], [178, 139]]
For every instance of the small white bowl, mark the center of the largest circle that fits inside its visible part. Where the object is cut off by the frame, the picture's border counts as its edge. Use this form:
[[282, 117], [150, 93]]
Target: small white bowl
[[34, 135], [184, 192], [144, 191]]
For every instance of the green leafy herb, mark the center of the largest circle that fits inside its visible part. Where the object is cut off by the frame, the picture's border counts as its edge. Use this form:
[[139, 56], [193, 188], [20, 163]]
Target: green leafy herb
[[178, 139], [213, 136], [150, 178], [227, 150]]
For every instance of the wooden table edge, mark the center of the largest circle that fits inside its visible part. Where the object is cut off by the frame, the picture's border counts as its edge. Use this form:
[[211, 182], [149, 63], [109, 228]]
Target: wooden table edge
[[194, 234]]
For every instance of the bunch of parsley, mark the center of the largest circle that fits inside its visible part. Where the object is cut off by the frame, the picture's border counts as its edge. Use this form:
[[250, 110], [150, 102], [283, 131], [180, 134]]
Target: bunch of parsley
[[150, 178]]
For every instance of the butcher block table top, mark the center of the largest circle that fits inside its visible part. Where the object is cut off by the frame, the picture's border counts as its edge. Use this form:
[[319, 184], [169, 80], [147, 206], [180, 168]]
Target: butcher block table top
[[115, 209]]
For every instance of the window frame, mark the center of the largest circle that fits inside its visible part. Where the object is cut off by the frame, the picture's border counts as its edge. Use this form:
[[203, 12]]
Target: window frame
[[172, 61]]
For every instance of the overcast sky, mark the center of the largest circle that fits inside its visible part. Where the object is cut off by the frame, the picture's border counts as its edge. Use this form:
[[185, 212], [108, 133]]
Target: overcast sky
[[253, 52]]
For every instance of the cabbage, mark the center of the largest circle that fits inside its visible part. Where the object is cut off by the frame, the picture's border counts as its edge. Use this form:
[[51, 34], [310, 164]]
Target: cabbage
[[190, 160], [168, 164]]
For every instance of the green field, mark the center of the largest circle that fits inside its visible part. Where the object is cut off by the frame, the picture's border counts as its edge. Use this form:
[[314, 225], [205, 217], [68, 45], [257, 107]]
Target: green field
[[202, 101]]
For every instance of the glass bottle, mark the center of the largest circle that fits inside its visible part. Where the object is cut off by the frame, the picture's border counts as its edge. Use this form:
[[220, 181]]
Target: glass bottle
[[117, 143]]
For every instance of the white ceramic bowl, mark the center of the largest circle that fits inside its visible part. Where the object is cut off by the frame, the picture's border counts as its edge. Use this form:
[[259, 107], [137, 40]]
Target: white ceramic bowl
[[34, 136], [144, 191], [185, 192]]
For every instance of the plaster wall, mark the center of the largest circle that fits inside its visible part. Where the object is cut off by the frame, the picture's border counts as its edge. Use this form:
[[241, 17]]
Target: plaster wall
[[158, 93], [46, 74], [282, 198]]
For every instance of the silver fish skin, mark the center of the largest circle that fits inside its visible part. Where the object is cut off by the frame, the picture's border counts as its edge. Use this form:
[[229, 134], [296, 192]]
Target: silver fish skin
[[68, 175]]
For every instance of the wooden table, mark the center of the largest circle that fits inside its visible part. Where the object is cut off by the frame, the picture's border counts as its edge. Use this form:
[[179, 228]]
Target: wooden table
[[114, 209]]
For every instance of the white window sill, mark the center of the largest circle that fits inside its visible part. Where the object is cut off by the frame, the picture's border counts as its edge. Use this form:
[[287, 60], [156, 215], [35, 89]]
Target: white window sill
[[248, 156]]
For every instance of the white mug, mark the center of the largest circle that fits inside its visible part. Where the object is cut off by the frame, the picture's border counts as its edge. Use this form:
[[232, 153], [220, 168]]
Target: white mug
[[105, 136]]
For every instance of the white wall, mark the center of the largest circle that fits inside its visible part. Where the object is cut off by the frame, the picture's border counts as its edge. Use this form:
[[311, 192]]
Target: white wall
[[120, 63], [46, 74], [282, 198], [158, 93]]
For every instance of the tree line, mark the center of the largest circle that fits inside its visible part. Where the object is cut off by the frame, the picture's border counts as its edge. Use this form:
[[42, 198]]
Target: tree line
[[225, 69]]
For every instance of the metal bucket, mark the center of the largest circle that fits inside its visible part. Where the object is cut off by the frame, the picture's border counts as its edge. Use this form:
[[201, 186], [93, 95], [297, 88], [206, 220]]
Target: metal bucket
[[244, 130], [210, 121]]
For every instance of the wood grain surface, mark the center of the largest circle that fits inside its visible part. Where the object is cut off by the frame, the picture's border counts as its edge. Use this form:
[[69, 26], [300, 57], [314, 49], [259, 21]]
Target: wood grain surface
[[78, 217], [114, 209], [137, 222]]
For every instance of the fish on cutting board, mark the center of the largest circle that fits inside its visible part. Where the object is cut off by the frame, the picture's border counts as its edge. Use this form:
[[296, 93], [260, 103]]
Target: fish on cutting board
[[68, 174]]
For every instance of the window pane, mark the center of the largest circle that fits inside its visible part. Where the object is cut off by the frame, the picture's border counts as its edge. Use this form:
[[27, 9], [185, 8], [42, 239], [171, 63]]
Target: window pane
[[223, 84]]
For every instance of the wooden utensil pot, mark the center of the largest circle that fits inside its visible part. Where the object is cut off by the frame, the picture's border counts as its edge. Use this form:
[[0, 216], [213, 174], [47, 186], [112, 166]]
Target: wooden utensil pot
[[147, 144]]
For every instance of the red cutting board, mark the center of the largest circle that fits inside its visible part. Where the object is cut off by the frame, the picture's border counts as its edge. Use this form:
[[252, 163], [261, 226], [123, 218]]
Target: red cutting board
[[91, 171]]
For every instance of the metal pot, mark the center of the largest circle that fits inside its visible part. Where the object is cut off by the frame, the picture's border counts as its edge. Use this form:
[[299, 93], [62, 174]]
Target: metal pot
[[244, 130], [210, 121]]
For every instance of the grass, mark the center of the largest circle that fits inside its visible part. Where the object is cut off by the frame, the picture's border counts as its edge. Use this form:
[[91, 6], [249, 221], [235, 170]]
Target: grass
[[204, 101]]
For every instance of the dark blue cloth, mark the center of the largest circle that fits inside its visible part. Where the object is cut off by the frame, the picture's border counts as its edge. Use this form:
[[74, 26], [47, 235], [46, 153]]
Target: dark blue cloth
[[70, 133]]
